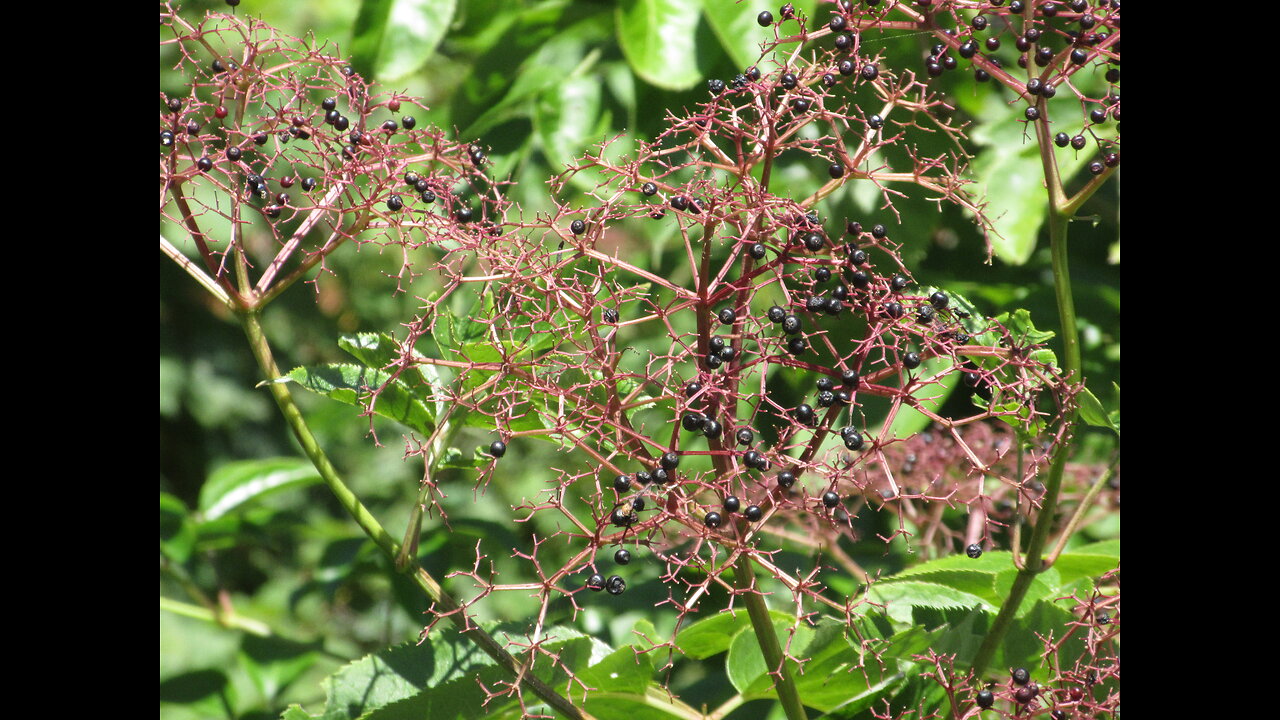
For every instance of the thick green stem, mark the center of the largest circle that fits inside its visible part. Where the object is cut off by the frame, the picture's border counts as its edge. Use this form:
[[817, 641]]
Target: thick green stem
[[745, 577], [1034, 563], [446, 605]]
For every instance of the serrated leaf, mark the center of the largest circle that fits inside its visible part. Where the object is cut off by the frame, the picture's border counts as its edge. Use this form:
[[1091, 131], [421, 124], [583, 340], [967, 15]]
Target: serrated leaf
[[392, 38], [352, 384], [1043, 586], [658, 40], [899, 597], [235, 484], [1024, 643]]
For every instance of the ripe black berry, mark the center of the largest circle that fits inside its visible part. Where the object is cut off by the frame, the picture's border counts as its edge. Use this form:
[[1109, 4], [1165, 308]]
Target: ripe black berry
[[757, 251], [1043, 56], [985, 699], [846, 67], [826, 398], [428, 197], [814, 241], [974, 551], [712, 519], [693, 421], [939, 300], [498, 449], [815, 303], [1032, 113], [786, 479], [616, 585], [272, 211], [727, 316], [693, 388], [622, 557], [669, 461], [1111, 159], [972, 379], [715, 86], [394, 203], [764, 19], [1024, 695], [711, 428], [622, 517], [680, 203], [308, 184], [205, 164], [462, 214], [1079, 56], [1096, 167], [800, 105], [390, 126], [648, 189], [796, 346], [968, 49], [622, 483], [791, 325], [852, 439], [1021, 676], [754, 460], [893, 310], [911, 360], [610, 315], [577, 227], [732, 503], [870, 71], [753, 513], [233, 153], [803, 413], [926, 314], [849, 378], [1061, 140], [595, 582], [833, 306], [899, 283], [835, 170], [830, 499], [1098, 116], [788, 81], [744, 436], [1078, 142]]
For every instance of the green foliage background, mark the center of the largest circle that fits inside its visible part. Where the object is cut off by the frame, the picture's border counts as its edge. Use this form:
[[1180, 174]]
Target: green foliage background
[[537, 83]]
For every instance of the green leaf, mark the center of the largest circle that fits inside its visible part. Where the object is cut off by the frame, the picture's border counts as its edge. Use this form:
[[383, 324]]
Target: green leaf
[[371, 349], [735, 26], [1045, 585], [352, 384], [295, 712], [745, 663], [1092, 412], [658, 40], [899, 597], [392, 38], [272, 663], [235, 484], [177, 531], [624, 670], [1089, 561], [712, 635]]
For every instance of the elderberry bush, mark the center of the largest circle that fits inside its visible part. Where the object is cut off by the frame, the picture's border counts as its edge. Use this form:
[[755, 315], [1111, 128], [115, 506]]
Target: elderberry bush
[[746, 417]]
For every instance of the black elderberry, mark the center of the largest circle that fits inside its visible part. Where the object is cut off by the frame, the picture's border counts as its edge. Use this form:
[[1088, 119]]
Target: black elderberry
[[732, 503], [308, 184], [1078, 142], [754, 460], [463, 215], [1016, 7], [204, 164], [849, 378], [800, 105], [826, 398], [610, 315], [1061, 140], [786, 479], [815, 303], [764, 19], [860, 279], [422, 186], [233, 153], [622, 483], [948, 62], [788, 81], [693, 388], [218, 67], [757, 251], [680, 203], [622, 557], [272, 211], [972, 379], [1098, 116], [727, 354], [803, 413], [712, 519], [833, 306], [776, 314], [744, 436], [814, 241], [669, 461], [1024, 695], [1079, 57], [711, 429], [715, 86], [822, 274], [985, 699], [637, 504], [428, 197], [1032, 113], [843, 42], [1043, 56], [893, 310], [643, 477], [846, 67], [791, 324], [870, 71], [911, 360], [926, 314], [498, 448], [727, 316], [595, 583], [753, 72], [1111, 159], [899, 283], [693, 421], [648, 189], [394, 203], [852, 439], [830, 499], [577, 227], [1021, 676], [616, 585], [974, 551], [1096, 167], [341, 123], [1113, 75], [739, 81], [753, 513], [622, 517], [796, 346]]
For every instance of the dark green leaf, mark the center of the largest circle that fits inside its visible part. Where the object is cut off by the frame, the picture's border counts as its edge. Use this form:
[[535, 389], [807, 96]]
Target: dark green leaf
[[177, 531], [712, 635], [272, 663], [745, 663]]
